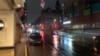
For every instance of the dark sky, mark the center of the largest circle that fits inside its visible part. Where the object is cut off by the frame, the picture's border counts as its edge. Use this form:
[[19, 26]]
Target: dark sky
[[34, 9]]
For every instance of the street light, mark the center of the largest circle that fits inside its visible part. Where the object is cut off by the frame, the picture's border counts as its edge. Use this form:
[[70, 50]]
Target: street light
[[42, 3], [1, 24]]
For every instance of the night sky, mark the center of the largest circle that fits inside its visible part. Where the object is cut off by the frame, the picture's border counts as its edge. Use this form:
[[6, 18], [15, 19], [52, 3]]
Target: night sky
[[34, 9]]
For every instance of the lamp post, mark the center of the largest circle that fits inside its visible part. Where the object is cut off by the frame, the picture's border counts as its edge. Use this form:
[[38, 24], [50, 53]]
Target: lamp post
[[63, 13]]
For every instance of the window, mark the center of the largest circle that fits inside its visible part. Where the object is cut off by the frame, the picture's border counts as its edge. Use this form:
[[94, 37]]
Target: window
[[95, 6], [75, 8], [69, 12], [87, 9]]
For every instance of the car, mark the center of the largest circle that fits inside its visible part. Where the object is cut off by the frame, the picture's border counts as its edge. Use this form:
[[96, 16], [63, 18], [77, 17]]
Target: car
[[35, 39]]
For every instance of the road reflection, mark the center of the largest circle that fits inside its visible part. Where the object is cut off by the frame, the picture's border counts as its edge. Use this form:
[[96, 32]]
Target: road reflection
[[95, 47], [66, 45], [56, 41]]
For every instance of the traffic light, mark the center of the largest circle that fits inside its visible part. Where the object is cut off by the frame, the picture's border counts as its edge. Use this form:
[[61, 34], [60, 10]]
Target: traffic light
[[55, 25], [42, 26]]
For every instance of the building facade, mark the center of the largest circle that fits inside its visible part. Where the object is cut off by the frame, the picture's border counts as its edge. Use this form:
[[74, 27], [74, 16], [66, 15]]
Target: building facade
[[51, 19], [83, 13], [48, 18]]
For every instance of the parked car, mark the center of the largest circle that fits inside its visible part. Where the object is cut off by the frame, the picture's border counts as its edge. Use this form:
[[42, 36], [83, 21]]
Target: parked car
[[35, 38]]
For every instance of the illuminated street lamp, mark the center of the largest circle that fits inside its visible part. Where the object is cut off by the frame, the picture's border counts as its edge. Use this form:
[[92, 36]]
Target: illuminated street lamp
[[1, 24], [42, 3]]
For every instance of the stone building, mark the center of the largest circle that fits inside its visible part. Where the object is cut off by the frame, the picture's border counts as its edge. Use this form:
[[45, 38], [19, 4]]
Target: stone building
[[50, 18]]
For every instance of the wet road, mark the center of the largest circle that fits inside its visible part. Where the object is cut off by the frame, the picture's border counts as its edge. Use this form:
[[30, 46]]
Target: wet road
[[67, 45], [43, 51]]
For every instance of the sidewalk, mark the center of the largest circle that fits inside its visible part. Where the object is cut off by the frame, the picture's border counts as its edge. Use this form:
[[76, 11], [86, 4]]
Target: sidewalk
[[7, 52], [20, 47], [18, 50]]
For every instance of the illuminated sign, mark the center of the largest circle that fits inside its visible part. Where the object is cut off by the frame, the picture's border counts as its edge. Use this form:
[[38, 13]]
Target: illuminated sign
[[67, 22]]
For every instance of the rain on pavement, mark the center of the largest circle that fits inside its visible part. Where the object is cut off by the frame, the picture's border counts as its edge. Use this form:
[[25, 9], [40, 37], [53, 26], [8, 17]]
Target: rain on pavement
[[67, 45]]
